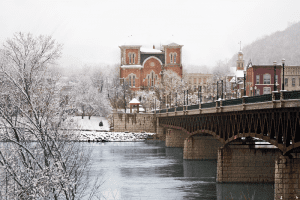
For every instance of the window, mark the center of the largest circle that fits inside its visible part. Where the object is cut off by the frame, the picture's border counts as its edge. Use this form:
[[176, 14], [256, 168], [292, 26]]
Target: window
[[257, 79], [267, 78], [276, 78], [195, 81], [293, 82], [131, 58], [204, 80], [131, 78], [133, 81], [267, 90], [152, 79], [199, 80], [148, 80], [286, 81], [172, 57]]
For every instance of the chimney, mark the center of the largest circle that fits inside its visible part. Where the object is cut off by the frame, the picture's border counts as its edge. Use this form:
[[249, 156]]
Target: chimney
[[153, 47]]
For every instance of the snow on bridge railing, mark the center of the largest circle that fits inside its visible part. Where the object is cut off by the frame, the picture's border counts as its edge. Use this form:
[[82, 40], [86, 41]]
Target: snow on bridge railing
[[283, 95]]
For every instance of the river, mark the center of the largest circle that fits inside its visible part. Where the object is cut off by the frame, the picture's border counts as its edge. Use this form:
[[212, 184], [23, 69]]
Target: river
[[149, 170]]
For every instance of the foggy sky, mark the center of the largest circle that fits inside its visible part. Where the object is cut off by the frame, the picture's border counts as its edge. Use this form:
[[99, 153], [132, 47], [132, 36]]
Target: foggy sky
[[92, 30]]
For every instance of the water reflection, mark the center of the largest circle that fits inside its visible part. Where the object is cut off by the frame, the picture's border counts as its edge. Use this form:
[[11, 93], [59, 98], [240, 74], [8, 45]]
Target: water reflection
[[138, 170], [256, 191]]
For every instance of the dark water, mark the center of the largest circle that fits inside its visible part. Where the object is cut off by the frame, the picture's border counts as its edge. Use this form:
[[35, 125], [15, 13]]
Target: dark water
[[144, 170]]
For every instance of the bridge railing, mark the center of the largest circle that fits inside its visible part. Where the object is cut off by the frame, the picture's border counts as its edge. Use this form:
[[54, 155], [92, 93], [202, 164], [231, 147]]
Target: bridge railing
[[291, 95], [193, 107], [208, 105], [277, 96], [232, 102], [260, 98], [171, 110], [179, 108], [283, 95]]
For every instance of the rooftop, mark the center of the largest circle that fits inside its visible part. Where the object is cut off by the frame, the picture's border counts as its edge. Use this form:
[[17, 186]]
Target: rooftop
[[149, 50], [131, 66]]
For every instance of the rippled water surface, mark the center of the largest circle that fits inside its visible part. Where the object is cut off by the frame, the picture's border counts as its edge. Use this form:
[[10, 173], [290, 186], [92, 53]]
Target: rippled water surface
[[149, 170]]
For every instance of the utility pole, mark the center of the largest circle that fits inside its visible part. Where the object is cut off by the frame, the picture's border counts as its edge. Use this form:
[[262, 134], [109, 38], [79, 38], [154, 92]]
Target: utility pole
[[184, 97], [187, 97], [217, 90], [275, 89], [222, 89]]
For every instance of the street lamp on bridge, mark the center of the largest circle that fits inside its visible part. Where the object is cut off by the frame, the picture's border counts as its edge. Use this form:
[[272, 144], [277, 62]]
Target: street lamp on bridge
[[275, 75], [283, 62], [245, 83]]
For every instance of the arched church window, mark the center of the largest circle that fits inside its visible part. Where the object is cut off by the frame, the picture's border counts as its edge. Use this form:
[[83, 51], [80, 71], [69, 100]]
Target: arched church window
[[133, 81], [129, 81], [129, 55], [152, 78], [133, 59], [148, 80]]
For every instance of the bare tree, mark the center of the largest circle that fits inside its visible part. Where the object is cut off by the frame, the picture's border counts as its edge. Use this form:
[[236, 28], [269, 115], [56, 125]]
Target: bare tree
[[35, 158], [170, 87]]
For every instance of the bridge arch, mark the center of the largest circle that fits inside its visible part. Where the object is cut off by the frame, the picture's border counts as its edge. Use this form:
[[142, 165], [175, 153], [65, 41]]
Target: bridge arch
[[279, 127]]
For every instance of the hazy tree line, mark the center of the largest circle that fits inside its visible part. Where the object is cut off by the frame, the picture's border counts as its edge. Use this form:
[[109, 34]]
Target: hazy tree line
[[274, 47]]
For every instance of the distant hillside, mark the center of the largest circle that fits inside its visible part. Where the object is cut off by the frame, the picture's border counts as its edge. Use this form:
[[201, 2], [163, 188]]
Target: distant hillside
[[281, 44]]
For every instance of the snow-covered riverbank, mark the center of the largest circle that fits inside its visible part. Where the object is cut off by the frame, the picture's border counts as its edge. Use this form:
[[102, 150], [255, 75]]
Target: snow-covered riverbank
[[85, 130], [101, 133], [112, 136]]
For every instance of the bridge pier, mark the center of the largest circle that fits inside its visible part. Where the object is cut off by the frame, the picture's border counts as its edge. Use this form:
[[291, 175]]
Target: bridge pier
[[244, 163], [201, 147], [287, 178], [160, 132], [175, 138]]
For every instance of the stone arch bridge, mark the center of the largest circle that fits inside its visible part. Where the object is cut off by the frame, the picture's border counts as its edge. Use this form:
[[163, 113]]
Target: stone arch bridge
[[230, 130]]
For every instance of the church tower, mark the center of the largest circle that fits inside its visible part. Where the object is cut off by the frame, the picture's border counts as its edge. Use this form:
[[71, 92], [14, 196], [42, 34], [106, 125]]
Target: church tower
[[240, 60]]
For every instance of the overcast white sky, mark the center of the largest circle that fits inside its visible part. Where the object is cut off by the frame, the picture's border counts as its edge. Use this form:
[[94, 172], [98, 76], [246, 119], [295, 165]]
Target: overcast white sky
[[92, 30]]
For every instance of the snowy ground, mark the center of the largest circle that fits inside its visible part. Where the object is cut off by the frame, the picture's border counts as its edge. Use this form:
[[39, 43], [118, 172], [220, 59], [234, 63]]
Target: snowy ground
[[93, 132], [112, 136]]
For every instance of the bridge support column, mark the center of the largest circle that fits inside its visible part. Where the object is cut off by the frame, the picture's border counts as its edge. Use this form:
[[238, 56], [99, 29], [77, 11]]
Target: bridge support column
[[201, 147], [240, 163], [287, 178], [160, 132], [175, 138]]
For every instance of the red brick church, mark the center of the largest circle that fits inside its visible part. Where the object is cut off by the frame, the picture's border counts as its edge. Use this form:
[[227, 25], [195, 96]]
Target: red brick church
[[142, 67]]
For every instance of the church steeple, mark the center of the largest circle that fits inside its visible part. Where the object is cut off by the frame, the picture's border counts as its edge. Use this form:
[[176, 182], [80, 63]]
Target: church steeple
[[240, 61]]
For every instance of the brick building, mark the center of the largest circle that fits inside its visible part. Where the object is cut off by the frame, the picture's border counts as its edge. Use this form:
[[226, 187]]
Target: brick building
[[262, 77], [142, 67]]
